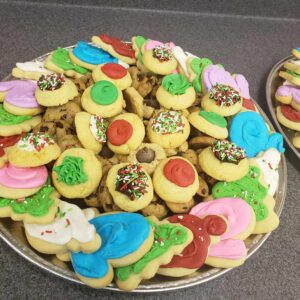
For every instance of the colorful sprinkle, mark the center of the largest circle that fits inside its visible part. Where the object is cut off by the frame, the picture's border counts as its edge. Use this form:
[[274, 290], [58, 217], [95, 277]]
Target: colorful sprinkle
[[224, 95], [35, 141], [98, 127], [51, 82], [162, 53], [167, 122]]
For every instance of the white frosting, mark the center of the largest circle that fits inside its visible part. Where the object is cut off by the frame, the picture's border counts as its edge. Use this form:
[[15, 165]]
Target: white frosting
[[70, 223], [122, 63], [295, 62], [268, 163], [89, 213], [27, 144], [182, 57], [94, 129], [33, 66]]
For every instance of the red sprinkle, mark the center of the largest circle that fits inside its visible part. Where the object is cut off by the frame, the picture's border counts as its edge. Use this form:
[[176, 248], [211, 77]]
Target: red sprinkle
[[270, 166]]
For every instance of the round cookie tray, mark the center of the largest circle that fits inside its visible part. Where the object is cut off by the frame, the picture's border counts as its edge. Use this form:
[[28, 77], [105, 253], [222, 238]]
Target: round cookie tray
[[12, 233], [273, 83]]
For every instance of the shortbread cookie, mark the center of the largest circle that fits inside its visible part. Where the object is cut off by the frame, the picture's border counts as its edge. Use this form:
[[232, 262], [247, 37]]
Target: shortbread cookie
[[125, 133], [30, 70], [113, 72], [251, 189], [59, 61], [224, 161], [288, 94], [170, 129], [175, 180], [137, 45], [249, 131], [38, 209], [69, 231], [130, 186], [76, 173], [296, 52], [89, 56], [175, 92], [296, 140], [126, 237], [55, 90], [134, 101], [169, 240], [116, 48], [209, 123], [288, 116], [222, 100], [103, 98], [206, 231], [290, 76], [91, 130], [19, 98], [21, 182]]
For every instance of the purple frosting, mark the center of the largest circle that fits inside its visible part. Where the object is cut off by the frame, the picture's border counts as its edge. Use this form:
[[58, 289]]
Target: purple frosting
[[289, 90], [20, 93]]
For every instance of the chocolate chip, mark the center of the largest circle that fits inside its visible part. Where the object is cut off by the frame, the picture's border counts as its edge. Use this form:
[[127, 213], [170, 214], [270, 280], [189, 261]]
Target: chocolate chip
[[106, 152], [145, 155], [44, 128], [59, 125]]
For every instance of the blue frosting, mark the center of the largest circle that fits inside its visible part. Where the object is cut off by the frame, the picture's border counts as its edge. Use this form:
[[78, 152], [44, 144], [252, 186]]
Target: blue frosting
[[121, 234], [249, 131], [92, 55]]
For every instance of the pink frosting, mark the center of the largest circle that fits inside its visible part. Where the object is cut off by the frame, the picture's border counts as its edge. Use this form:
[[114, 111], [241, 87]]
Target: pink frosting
[[152, 44], [214, 74], [23, 178], [20, 93], [228, 249], [237, 212], [289, 90]]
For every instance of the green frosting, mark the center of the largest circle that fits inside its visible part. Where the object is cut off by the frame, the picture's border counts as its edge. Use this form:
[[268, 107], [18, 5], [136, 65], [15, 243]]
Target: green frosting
[[60, 57], [213, 118], [293, 73], [140, 41], [71, 171], [7, 118], [247, 188], [175, 84], [104, 92], [198, 65], [37, 205], [165, 236]]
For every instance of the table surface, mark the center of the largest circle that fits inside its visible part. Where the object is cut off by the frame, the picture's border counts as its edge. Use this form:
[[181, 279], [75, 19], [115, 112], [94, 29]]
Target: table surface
[[247, 39]]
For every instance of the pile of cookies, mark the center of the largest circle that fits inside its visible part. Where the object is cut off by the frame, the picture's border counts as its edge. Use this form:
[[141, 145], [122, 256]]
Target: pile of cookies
[[288, 95], [165, 150]]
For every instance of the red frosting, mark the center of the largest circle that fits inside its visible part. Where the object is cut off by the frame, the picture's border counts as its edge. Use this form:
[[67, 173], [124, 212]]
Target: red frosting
[[179, 172], [1, 152], [290, 113], [119, 46], [248, 104], [119, 132], [194, 255], [8, 141], [114, 71]]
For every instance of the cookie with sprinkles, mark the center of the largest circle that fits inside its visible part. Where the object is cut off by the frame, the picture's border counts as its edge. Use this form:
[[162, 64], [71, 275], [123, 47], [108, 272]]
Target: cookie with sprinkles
[[54, 89], [170, 129], [91, 130], [130, 186], [223, 100], [33, 150], [224, 161], [158, 57]]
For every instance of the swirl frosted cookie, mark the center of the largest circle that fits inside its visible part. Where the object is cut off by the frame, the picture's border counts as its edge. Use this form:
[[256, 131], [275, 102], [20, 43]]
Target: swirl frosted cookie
[[30, 70], [103, 98], [288, 116], [289, 94], [91, 130], [76, 173], [130, 186], [158, 57], [55, 90], [115, 47], [126, 237], [89, 56], [251, 188], [209, 123], [137, 45], [222, 100], [59, 61], [175, 92], [291, 76], [125, 133], [224, 161], [175, 180], [69, 231], [169, 240], [21, 182], [249, 131], [39, 208], [33, 150], [19, 98], [170, 129], [113, 72]]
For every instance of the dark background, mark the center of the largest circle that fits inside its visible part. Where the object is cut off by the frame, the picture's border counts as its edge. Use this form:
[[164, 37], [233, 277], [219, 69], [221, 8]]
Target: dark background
[[247, 37]]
